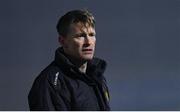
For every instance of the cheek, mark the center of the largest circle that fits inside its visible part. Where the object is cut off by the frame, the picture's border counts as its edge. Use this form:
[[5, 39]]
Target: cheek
[[78, 43], [94, 41], [75, 46]]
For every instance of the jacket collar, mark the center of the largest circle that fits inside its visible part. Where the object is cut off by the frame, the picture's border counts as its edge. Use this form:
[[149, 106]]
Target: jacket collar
[[95, 67]]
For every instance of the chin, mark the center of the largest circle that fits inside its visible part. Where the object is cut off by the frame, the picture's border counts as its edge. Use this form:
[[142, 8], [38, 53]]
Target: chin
[[87, 57]]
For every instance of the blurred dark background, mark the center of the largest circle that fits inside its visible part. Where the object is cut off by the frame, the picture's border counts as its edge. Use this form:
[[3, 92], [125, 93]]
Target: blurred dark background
[[140, 40]]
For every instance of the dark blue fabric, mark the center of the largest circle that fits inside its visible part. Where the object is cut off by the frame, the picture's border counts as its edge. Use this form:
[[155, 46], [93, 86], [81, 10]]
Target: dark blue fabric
[[61, 86]]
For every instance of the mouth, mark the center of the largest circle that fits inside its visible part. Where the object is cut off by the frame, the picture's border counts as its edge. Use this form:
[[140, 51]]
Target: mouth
[[88, 51]]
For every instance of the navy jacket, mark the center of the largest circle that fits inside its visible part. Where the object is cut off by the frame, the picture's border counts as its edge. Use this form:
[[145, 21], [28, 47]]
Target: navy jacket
[[61, 86]]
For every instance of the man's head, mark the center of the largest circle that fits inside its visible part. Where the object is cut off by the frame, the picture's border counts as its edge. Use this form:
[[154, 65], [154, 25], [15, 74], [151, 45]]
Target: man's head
[[77, 34]]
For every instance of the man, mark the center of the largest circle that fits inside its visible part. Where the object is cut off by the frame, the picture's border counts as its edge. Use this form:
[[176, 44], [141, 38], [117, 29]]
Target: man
[[74, 80]]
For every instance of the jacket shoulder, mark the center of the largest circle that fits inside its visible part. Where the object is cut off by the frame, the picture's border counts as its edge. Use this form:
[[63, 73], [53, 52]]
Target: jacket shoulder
[[43, 93], [51, 75]]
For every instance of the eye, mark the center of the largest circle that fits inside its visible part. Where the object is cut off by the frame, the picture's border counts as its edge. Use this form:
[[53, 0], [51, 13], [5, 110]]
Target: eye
[[92, 34], [80, 35]]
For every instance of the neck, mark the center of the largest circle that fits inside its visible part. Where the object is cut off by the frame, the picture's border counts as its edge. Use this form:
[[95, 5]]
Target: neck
[[83, 67], [80, 64]]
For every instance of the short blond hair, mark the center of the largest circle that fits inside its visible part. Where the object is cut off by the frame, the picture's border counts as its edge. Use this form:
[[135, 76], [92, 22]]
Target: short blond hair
[[74, 16]]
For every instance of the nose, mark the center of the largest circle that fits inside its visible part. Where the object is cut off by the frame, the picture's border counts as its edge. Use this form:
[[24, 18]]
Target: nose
[[87, 41]]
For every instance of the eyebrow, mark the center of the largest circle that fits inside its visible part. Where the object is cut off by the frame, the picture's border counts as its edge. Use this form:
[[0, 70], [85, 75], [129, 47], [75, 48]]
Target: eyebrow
[[80, 34], [84, 34]]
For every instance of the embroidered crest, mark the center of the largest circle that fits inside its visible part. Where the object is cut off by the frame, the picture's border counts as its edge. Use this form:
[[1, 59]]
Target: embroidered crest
[[106, 95]]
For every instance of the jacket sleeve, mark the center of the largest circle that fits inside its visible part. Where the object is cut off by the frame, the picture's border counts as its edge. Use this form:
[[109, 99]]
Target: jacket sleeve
[[43, 96]]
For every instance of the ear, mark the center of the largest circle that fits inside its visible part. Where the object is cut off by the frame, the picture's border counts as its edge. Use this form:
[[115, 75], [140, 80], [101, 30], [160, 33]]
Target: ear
[[61, 40]]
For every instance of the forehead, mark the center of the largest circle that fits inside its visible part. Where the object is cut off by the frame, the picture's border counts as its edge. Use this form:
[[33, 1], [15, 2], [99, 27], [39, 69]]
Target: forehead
[[81, 27]]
